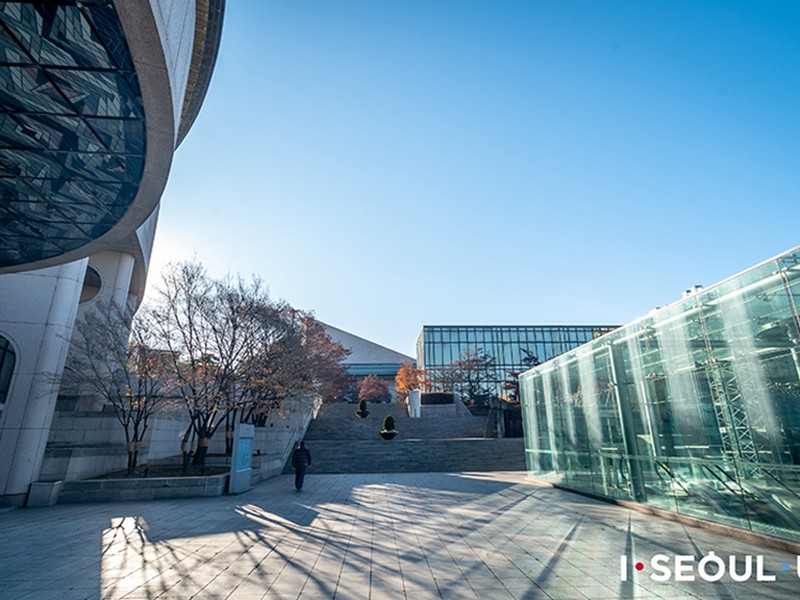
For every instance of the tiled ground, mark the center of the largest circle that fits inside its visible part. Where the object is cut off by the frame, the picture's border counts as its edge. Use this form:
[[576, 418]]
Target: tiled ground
[[431, 535]]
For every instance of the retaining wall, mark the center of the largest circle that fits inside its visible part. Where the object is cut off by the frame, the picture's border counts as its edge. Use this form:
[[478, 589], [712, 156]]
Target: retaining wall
[[150, 488]]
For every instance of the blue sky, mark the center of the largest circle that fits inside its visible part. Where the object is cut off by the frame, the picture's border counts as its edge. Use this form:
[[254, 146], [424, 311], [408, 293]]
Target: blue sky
[[390, 165]]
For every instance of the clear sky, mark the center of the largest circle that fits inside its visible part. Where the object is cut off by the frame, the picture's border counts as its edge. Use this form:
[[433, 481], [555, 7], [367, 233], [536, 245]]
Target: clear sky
[[394, 164]]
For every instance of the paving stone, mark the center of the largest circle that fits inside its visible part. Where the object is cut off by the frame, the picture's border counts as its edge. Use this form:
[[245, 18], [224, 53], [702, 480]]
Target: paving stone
[[382, 536]]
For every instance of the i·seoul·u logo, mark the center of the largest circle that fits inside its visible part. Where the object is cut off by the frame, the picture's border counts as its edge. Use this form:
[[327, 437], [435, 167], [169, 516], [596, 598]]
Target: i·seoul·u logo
[[711, 568]]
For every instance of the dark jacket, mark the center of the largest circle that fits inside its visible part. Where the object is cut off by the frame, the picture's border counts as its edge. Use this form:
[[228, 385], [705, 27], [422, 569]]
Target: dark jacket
[[301, 458]]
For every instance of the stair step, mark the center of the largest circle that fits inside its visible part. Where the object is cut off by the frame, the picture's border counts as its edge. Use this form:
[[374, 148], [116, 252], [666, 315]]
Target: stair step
[[395, 456], [340, 442], [339, 422]]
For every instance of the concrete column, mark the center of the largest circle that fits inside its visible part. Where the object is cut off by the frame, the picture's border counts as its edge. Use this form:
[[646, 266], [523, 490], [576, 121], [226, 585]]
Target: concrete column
[[414, 404], [37, 314], [115, 270]]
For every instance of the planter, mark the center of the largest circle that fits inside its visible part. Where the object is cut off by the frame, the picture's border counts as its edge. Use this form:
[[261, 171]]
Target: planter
[[388, 435], [362, 414], [139, 489]]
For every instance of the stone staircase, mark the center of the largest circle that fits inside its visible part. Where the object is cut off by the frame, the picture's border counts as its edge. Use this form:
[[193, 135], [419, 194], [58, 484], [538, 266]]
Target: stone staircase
[[340, 442], [338, 422]]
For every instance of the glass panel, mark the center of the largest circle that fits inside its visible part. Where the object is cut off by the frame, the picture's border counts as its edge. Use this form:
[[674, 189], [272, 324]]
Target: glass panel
[[57, 35], [71, 127], [695, 408], [27, 89]]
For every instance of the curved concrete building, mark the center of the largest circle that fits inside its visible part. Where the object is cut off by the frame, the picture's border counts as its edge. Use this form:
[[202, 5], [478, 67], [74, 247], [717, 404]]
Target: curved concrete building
[[96, 96]]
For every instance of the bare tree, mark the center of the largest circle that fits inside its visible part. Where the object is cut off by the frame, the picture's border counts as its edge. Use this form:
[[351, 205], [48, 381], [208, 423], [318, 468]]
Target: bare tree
[[296, 357], [236, 354], [325, 360], [212, 328], [274, 367], [114, 356]]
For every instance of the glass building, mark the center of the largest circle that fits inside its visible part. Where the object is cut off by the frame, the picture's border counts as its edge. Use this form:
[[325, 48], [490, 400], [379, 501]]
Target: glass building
[[694, 408], [512, 349]]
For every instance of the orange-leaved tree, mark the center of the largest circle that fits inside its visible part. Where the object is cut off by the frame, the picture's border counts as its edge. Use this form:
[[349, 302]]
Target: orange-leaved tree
[[408, 378]]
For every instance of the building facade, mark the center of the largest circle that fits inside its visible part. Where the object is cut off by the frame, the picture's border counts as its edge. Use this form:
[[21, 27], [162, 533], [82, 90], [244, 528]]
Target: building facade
[[95, 96], [512, 349], [694, 408], [368, 358]]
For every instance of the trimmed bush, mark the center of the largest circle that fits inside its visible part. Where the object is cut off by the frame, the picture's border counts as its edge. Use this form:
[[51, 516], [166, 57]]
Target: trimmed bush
[[388, 423], [362, 411]]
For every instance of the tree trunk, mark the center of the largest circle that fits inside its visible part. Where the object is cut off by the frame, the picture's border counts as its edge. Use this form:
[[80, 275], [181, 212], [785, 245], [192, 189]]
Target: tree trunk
[[230, 420], [133, 456], [185, 449], [202, 451]]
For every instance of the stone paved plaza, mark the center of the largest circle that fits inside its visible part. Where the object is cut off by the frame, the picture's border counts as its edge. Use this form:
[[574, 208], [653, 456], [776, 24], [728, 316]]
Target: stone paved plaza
[[431, 535]]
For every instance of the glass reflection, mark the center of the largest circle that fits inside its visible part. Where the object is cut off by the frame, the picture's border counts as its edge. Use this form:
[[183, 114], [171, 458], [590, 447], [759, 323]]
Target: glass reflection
[[511, 349], [72, 126]]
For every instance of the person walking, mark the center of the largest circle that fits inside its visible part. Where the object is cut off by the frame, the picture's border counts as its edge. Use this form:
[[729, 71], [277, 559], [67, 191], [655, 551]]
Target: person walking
[[301, 460]]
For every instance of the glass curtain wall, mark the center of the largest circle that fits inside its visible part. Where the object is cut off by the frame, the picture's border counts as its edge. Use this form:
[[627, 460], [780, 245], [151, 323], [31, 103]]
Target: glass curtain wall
[[511, 348], [694, 408], [72, 129]]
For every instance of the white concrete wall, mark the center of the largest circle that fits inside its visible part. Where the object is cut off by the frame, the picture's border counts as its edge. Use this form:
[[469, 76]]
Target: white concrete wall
[[115, 269], [146, 234], [283, 431], [83, 445], [276, 440], [163, 438], [37, 314], [95, 429], [437, 410], [175, 20], [88, 444]]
